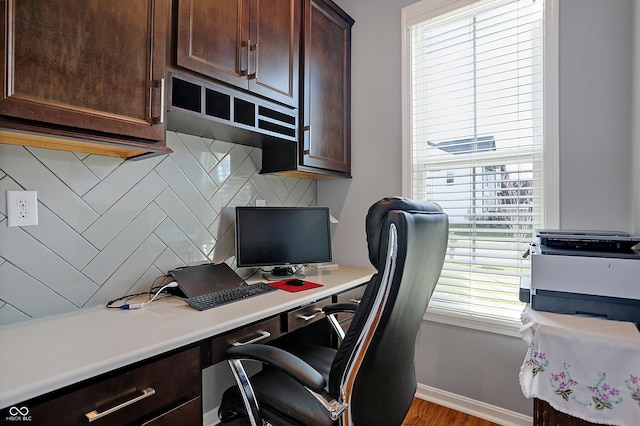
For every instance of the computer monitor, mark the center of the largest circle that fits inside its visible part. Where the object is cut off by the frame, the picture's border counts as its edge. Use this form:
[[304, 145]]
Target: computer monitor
[[282, 237]]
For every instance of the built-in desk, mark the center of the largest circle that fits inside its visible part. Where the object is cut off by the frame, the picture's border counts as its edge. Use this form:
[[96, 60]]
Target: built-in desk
[[45, 355], [586, 367]]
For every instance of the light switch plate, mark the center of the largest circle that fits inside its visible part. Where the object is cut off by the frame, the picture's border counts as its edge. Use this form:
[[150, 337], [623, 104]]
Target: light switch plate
[[22, 208]]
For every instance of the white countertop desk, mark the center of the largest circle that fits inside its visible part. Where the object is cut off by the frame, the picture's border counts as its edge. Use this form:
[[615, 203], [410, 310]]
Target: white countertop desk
[[43, 355]]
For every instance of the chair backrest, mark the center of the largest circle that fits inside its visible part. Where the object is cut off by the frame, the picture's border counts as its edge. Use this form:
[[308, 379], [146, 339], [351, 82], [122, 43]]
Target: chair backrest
[[373, 370]]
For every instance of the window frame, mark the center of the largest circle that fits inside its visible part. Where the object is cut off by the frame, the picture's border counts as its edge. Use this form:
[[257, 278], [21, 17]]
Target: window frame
[[427, 9]]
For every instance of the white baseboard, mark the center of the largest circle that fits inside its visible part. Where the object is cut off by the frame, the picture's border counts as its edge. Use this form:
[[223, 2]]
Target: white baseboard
[[472, 407], [456, 402], [210, 418]]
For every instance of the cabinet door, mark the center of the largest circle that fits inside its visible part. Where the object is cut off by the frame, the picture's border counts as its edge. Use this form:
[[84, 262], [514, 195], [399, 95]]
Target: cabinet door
[[327, 91], [86, 64], [275, 49], [251, 44], [212, 39]]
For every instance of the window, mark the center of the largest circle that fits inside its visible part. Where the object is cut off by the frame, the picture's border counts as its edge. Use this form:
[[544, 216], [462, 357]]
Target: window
[[474, 142]]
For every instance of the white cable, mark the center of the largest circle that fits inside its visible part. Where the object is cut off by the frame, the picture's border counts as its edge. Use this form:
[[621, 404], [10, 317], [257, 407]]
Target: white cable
[[143, 304]]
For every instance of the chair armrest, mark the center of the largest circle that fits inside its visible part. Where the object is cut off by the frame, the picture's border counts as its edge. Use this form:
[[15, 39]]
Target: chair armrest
[[281, 359], [332, 311], [336, 308]]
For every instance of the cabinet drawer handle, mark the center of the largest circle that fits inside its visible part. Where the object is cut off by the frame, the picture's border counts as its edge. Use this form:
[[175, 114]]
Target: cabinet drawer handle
[[94, 415], [356, 301], [310, 317], [263, 335]]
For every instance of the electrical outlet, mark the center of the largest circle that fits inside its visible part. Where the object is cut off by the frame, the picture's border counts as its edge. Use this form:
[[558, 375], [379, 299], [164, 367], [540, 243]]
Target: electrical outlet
[[22, 208]]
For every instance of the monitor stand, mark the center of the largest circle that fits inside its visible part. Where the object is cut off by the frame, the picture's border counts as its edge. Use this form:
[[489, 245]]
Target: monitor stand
[[282, 273]]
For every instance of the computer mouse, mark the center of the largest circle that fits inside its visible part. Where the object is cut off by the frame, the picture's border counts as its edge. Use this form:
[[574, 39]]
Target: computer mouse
[[295, 282]]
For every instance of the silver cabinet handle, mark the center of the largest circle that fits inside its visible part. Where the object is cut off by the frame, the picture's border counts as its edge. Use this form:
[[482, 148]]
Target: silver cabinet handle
[[355, 301], [159, 85], [310, 317], [246, 44], [94, 415], [263, 335], [253, 76], [162, 100], [306, 140]]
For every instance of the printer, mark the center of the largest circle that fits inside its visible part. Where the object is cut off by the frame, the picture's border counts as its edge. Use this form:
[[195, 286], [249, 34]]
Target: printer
[[584, 272]]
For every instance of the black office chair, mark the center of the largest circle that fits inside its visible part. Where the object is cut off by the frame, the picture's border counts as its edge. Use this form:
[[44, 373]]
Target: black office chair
[[370, 379]]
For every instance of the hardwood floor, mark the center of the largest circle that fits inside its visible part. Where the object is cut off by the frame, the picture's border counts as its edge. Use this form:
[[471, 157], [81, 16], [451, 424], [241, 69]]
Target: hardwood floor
[[425, 413]]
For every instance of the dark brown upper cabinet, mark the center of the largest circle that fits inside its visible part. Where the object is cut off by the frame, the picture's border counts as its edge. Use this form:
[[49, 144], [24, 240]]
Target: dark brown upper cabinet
[[84, 75], [325, 132], [251, 44]]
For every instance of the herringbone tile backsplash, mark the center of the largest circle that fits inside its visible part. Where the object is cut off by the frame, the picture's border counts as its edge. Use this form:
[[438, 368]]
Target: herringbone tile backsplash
[[109, 227]]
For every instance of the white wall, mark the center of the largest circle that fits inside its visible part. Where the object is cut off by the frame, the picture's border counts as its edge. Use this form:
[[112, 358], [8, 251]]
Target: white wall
[[596, 46], [596, 75]]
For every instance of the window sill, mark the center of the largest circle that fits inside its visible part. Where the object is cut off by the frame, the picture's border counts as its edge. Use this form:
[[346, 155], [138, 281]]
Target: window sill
[[475, 322]]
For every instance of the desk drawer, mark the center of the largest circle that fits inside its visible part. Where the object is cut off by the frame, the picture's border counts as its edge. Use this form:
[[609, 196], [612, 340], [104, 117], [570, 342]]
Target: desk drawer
[[305, 315], [190, 411], [260, 332], [126, 397], [353, 295]]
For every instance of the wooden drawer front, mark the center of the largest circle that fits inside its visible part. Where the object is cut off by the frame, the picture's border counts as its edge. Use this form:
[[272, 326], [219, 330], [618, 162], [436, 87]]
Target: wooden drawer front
[[189, 413], [306, 315], [260, 332], [353, 295], [167, 382]]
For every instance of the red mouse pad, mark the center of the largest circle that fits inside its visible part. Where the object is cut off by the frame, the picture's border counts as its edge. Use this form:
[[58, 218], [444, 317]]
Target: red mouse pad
[[296, 286]]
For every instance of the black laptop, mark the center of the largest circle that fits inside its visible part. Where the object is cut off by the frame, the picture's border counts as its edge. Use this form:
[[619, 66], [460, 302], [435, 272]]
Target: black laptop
[[204, 279]]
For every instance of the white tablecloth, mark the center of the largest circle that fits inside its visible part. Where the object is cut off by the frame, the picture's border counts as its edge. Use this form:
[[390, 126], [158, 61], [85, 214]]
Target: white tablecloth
[[583, 366]]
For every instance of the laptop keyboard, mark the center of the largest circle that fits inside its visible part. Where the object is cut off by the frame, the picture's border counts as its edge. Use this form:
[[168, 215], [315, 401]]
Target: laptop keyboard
[[223, 297]]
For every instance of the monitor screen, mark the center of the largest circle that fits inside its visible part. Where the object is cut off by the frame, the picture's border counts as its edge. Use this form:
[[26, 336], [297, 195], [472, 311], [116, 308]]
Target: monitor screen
[[279, 236]]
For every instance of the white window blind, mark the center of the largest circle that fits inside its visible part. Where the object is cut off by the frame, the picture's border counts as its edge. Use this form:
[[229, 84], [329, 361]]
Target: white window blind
[[476, 137]]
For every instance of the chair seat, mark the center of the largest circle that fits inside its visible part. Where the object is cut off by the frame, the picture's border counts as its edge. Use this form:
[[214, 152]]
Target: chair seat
[[282, 398]]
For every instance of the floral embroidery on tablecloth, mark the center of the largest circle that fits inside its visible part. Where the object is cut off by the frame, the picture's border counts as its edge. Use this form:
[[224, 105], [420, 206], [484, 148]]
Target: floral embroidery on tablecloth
[[537, 360], [633, 383], [562, 382], [604, 394]]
